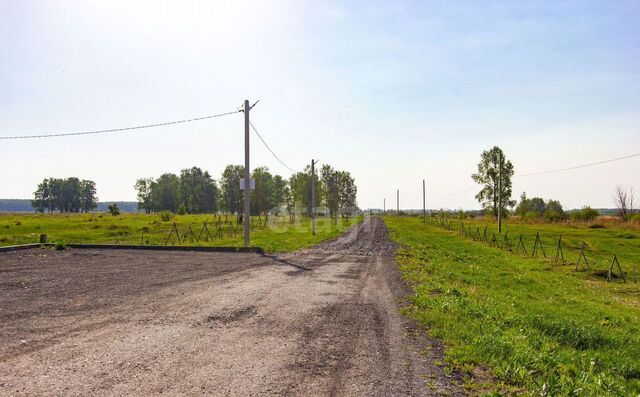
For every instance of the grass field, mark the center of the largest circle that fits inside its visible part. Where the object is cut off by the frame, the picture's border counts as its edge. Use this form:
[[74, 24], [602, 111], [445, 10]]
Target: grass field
[[95, 228], [540, 328], [601, 242]]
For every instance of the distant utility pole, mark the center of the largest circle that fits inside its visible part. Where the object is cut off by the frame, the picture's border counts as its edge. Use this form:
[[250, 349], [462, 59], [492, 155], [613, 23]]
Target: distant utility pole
[[398, 202], [313, 197], [247, 176], [424, 201], [500, 194], [384, 207]]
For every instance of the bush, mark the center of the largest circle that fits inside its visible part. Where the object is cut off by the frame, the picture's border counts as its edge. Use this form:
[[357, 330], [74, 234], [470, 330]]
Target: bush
[[585, 214], [531, 216], [114, 210], [166, 216], [555, 210], [182, 210], [60, 246], [553, 216]]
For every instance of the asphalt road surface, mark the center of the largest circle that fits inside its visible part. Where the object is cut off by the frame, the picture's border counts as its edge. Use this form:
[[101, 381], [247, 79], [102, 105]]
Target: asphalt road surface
[[318, 322]]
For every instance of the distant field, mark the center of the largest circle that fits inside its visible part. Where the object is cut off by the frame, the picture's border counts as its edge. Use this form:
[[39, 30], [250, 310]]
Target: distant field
[[539, 328], [151, 230]]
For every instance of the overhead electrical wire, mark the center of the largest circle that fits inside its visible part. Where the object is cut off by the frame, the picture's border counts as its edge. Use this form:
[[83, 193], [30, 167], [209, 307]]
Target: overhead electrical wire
[[550, 172], [455, 193], [268, 148], [116, 129], [578, 166]]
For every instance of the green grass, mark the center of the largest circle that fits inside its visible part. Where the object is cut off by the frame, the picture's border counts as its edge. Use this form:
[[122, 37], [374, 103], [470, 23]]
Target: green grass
[[600, 243], [540, 328], [98, 228]]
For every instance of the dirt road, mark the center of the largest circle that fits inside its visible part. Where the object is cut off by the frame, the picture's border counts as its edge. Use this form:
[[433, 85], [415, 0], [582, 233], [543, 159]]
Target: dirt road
[[319, 322]]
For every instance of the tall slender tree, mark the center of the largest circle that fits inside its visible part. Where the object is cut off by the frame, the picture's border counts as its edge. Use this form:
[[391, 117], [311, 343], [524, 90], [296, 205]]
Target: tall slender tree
[[488, 177]]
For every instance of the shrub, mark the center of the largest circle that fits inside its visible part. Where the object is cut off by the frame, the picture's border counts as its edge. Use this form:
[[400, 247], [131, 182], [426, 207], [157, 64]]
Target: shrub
[[166, 216], [114, 210], [531, 216], [585, 214], [555, 210], [60, 246], [633, 217], [553, 216], [182, 209]]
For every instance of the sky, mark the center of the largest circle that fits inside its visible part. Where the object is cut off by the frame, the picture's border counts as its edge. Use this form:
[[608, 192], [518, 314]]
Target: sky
[[394, 92]]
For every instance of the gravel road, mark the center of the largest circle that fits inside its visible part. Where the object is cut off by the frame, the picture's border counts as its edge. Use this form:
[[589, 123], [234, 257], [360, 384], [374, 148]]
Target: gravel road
[[324, 321]]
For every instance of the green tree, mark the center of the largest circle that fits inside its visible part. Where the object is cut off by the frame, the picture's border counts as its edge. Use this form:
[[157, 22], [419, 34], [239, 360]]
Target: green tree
[[166, 193], [65, 195], [88, 199], [231, 194], [144, 194], [198, 191], [281, 193], [347, 192], [43, 197], [300, 184], [262, 196], [534, 206], [554, 211], [331, 181], [488, 177]]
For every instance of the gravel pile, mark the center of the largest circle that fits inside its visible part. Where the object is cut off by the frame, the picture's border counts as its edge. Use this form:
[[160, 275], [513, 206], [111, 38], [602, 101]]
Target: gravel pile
[[368, 238]]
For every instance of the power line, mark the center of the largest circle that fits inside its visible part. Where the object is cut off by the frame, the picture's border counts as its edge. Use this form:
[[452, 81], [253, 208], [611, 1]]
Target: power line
[[455, 193], [117, 129], [578, 166], [267, 146], [548, 172]]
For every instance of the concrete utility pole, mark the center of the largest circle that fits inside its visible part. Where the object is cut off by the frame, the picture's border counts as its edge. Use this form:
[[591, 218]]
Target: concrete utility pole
[[384, 207], [398, 202], [247, 177], [313, 197], [500, 194], [424, 201]]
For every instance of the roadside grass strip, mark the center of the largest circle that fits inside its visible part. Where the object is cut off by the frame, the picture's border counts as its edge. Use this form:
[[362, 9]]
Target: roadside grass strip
[[539, 329]]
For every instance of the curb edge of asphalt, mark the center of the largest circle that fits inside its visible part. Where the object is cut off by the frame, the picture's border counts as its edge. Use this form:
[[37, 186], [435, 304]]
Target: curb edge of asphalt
[[256, 250]]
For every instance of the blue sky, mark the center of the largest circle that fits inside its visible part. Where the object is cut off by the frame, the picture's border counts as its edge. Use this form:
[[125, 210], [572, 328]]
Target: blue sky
[[392, 91]]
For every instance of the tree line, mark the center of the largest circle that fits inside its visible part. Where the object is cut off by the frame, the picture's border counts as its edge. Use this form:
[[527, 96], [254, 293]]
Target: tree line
[[195, 191], [65, 195]]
